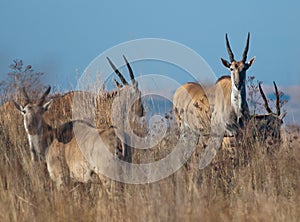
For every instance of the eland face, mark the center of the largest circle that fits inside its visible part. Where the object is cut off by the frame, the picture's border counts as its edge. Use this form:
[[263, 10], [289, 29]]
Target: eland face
[[238, 68], [35, 126]]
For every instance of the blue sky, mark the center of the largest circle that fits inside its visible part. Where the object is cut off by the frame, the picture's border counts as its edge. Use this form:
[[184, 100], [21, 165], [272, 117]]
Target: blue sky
[[58, 37], [61, 38]]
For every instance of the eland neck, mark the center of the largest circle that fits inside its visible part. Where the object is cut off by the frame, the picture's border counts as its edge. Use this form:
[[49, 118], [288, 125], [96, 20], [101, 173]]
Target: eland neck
[[40, 141], [238, 101]]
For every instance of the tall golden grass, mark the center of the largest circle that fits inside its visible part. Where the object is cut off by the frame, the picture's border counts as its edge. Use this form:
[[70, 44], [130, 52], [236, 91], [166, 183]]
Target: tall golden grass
[[251, 182]]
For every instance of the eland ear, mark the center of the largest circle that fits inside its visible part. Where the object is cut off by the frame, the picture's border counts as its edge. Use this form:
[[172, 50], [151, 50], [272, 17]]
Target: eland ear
[[251, 61], [225, 63], [47, 105], [19, 107]]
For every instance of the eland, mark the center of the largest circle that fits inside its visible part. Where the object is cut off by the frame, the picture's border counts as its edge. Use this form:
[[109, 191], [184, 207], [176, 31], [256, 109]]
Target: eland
[[262, 126], [222, 105], [72, 149]]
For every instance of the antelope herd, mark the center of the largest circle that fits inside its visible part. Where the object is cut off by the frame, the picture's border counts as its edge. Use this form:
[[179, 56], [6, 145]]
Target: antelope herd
[[59, 147], [200, 107]]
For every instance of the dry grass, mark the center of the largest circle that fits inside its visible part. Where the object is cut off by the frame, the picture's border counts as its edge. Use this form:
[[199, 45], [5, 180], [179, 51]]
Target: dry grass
[[253, 182]]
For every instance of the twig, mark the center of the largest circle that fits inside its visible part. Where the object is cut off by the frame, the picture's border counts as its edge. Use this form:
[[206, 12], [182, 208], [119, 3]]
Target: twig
[[26, 201], [74, 188]]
